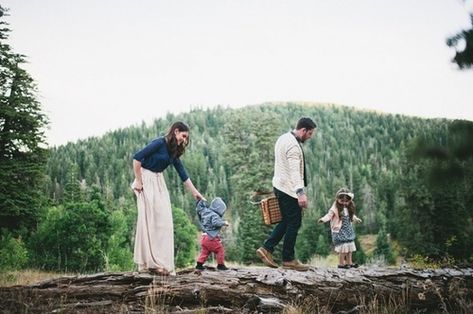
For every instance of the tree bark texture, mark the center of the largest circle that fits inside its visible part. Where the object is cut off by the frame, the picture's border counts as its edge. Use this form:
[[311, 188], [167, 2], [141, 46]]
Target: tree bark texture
[[249, 290]]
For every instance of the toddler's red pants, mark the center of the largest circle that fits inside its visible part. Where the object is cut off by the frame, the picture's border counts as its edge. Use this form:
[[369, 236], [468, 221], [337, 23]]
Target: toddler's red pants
[[208, 246]]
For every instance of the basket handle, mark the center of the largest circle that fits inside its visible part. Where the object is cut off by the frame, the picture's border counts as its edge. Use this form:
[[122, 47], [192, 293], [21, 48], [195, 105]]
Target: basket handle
[[259, 193]]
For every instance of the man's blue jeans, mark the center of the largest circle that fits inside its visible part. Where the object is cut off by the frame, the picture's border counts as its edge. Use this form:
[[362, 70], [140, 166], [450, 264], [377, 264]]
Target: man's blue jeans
[[288, 228]]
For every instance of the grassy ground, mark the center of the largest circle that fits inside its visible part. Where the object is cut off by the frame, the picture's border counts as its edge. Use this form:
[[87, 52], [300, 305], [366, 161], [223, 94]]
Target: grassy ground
[[368, 243], [26, 277]]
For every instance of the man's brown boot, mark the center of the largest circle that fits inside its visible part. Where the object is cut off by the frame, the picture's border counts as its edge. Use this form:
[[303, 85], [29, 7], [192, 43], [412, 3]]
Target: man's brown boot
[[295, 265], [266, 257]]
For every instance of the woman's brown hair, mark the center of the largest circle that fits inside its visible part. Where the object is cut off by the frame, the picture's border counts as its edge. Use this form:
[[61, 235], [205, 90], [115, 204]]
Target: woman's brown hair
[[176, 150]]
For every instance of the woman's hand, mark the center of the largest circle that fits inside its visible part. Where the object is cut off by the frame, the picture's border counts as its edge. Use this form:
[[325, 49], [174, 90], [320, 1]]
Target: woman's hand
[[138, 183], [138, 186], [198, 196]]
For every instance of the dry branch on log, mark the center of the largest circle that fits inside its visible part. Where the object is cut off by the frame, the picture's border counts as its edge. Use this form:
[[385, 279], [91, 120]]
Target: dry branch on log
[[250, 290]]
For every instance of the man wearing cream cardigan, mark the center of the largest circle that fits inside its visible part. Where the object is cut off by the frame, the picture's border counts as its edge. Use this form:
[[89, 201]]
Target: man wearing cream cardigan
[[289, 183]]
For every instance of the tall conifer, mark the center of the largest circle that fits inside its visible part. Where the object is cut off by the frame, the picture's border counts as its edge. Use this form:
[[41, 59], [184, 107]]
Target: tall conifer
[[22, 140]]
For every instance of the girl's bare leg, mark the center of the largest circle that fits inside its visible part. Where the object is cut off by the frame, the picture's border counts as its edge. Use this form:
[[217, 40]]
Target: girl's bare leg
[[349, 261]]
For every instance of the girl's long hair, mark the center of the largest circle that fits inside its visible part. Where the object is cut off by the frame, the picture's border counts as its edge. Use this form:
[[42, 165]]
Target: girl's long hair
[[351, 209], [176, 150]]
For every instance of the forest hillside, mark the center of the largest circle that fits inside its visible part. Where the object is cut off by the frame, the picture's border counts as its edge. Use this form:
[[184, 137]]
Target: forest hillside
[[383, 158]]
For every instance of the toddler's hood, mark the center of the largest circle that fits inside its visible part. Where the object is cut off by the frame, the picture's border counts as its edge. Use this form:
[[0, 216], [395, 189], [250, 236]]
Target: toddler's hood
[[218, 205]]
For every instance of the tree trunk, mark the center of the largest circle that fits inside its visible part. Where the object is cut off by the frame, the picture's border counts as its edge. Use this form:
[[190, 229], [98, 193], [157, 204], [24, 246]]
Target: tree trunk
[[250, 290]]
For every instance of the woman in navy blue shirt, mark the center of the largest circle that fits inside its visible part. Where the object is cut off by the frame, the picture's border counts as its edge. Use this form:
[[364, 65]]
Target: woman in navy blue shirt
[[154, 239]]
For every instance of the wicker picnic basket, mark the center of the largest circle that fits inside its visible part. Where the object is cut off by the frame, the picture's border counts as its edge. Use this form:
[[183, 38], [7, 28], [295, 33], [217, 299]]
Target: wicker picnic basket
[[270, 209]]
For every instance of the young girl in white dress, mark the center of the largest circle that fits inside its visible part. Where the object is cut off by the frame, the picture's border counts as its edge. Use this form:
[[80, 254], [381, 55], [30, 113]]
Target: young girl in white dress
[[341, 216]]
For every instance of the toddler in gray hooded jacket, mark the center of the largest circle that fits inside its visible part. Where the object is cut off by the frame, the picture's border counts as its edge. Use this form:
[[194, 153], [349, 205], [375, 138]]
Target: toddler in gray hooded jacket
[[211, 221]]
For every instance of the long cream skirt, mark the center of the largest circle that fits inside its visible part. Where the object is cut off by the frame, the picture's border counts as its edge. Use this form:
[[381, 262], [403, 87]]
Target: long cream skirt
[[154, 239]]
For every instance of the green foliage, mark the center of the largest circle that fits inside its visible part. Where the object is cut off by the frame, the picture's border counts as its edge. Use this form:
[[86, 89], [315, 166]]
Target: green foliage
[[422, 262], [119, 254], [231, 155], [312, 239], [251, 234], [383, 247], [72, 237], [72, 188], [22, 141], [13, 253], [463, 44], [322, 246], [185, 243], [359, 255], [436, 191], [250, 161]]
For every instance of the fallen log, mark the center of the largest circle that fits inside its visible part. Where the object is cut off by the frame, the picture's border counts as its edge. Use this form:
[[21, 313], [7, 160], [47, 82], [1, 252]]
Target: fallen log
[[249, 290]]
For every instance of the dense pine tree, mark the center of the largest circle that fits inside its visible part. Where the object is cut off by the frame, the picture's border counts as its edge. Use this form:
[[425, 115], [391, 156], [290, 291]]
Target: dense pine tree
[[22, 141], [250, 161]]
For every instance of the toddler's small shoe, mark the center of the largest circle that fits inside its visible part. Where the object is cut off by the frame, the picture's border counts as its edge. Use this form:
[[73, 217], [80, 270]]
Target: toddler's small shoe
[[355, 265], [344, 266], [222, 267], [199, 266]]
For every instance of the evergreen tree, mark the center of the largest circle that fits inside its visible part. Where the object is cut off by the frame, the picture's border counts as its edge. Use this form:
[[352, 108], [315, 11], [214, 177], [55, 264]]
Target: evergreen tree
[[72, 189], [22, 141], [463, 55], [185, 243], [119, 253], [415, 206], [383, 247], [436, 190], [368, 207], [250, 161], [312, 238], [323, 246], [359, 256], [13, 252]]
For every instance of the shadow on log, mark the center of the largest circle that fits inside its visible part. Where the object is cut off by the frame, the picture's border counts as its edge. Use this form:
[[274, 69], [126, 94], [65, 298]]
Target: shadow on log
[[250, 290]]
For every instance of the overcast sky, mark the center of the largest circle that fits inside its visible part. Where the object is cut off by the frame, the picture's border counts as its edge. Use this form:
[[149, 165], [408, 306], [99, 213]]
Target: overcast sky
[[101, 65]]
